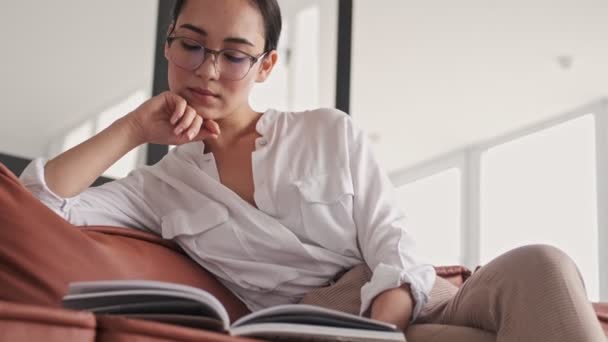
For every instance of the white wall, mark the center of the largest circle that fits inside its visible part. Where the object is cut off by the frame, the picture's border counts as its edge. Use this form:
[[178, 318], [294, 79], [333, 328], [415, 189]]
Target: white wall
[[305, 74], [67, 61], [433, 76], [428, 76], [64, 61]]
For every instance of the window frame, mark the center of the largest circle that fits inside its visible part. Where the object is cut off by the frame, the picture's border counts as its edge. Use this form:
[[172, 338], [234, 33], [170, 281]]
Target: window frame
[[468, 160]]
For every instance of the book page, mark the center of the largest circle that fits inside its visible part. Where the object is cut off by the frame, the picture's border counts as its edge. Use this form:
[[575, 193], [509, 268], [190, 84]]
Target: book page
[[183, 320], [116, 292], [312, 315], [309, 333]]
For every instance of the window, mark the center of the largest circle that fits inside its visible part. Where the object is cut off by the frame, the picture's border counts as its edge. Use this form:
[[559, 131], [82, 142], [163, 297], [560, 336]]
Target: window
[[432, 208], [100, 122], [304, 76], [131, 160], [78, 135], [542, 189]]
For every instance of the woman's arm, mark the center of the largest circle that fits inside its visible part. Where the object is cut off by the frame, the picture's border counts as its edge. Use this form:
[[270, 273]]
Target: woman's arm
[[163, 119], [75, 170], [400, 282], [394, 306]]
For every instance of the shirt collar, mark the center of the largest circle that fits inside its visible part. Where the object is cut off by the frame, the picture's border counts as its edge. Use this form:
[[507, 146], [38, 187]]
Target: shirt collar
[[263, 126]]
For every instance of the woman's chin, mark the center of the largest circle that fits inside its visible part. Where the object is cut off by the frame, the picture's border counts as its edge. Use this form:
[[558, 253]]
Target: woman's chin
[[207, 112], [208, 108]]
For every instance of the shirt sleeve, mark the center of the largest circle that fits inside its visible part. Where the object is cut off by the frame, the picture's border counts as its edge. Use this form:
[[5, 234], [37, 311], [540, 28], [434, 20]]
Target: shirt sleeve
[[386, 246], [116, 203]]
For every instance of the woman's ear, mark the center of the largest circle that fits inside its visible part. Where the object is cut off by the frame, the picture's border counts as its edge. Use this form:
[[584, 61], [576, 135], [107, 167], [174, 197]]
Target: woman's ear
[[170, 29], [166, 43], [267, 63]]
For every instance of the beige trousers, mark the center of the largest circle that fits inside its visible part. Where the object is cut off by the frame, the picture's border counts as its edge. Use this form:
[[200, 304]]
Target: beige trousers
[[531, 294]]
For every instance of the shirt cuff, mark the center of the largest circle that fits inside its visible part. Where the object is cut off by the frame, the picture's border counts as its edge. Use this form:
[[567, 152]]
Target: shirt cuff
[[385, 277], [33, 179]]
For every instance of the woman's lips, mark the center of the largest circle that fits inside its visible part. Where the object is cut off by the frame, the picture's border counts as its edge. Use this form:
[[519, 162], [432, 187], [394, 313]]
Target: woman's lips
[[203, 95]]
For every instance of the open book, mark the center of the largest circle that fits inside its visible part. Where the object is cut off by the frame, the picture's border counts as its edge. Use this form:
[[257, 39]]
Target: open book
[[189, 306]]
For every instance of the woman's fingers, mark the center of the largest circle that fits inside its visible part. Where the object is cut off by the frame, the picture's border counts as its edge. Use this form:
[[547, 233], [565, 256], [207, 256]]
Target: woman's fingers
[[179, 108], [212, 126], [186, 120], [195, 127], [206, 132]]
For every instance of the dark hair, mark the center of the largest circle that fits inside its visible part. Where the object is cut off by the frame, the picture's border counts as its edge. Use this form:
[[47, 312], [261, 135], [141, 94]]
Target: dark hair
[[271, 13]]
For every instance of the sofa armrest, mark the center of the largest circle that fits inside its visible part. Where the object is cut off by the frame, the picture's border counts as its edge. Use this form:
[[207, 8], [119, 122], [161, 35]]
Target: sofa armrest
[[23, 322], [119, 329], [601, 310], [456, 274]]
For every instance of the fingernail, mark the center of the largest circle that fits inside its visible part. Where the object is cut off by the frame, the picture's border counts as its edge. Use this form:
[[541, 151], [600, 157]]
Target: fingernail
[[178, 130]]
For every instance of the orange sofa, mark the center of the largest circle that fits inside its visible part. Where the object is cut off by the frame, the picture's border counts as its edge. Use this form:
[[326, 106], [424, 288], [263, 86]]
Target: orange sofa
[[40, 253]]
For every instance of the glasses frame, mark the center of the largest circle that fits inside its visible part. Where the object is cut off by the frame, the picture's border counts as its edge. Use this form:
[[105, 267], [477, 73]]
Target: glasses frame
[[207, 52]]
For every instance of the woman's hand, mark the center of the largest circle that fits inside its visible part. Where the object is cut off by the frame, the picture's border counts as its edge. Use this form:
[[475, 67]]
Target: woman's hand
[[394, 306], [168, 119]]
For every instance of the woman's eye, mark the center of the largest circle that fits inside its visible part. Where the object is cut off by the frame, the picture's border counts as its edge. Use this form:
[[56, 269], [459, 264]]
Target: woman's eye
[[189, 46], [234, 57]]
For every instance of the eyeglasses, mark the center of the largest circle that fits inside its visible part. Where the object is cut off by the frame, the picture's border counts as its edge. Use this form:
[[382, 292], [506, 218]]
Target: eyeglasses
[[230, 64]]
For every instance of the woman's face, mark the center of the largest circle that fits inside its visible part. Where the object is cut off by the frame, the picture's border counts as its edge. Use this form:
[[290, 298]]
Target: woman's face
[[218, 25]]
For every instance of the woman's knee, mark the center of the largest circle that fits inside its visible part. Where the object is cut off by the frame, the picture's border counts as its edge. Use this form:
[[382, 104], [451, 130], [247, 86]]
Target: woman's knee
[[546, 254], [543, 260], [531, 261]]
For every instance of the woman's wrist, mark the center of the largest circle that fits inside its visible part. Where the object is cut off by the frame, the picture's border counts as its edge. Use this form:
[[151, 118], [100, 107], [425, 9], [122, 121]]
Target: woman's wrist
[[132, 131], [394, 306]]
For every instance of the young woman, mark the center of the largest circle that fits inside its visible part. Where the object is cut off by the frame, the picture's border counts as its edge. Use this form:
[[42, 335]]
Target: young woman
[[275, 204]]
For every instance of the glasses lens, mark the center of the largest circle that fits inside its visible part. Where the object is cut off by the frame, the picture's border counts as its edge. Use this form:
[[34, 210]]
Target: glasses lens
[[233, 64], [186, 53]]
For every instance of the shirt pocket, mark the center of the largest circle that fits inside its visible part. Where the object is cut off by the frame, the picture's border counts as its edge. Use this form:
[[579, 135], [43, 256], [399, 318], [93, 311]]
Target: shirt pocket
[[211, 234], [257, 276], [326, 206], [188, 223]]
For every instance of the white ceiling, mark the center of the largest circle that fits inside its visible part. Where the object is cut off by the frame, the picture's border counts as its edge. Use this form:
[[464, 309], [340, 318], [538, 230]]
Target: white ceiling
[[63, 61], [433, 76], [428, 76]]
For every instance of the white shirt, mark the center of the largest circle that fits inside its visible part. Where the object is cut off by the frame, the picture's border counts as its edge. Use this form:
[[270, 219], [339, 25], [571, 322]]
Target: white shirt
[[324, 205]]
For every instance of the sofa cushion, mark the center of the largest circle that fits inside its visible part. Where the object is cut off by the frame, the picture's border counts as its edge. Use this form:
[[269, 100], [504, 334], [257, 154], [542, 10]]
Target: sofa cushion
[[447, 333], [22, 322], [601, 310], [41, 253], [456, 275], [118, 329]]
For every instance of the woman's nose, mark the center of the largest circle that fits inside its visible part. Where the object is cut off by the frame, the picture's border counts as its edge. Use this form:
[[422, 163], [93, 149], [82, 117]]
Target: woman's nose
[[208, 69]]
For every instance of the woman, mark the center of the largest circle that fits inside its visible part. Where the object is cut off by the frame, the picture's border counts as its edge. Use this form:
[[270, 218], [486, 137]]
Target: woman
[[275, 204]]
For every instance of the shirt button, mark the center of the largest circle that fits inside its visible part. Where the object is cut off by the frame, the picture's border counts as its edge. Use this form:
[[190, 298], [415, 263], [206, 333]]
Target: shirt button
[[263, 142]]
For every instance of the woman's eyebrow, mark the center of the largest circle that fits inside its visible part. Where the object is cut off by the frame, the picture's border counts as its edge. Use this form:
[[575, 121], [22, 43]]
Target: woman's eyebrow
[[202, 32]]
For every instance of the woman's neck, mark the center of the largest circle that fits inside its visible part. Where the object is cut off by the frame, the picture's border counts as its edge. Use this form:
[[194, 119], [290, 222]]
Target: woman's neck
[[234, 129]]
